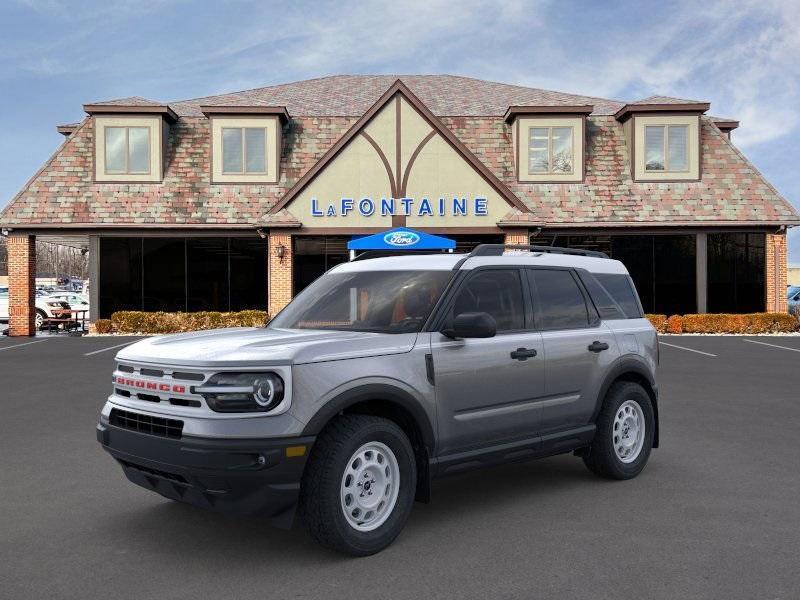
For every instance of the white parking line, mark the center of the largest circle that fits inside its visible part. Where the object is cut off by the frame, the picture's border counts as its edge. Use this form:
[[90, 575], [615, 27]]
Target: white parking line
[[20, 345], [688, 349], [772, 345], [110, 348]]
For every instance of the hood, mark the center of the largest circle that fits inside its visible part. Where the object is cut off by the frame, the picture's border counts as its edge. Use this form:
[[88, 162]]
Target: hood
[[259, 346]]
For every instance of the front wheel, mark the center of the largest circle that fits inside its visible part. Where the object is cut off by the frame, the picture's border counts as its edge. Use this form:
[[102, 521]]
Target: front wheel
[[359, 486], [624, 436], [39, 318]]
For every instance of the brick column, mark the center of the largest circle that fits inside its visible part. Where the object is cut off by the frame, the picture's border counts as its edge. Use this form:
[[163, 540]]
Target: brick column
[[517, 236], [280, 271], [775, 273], [21, 284]]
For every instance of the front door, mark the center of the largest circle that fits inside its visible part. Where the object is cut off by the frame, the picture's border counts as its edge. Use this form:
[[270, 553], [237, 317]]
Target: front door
[[487, 388]]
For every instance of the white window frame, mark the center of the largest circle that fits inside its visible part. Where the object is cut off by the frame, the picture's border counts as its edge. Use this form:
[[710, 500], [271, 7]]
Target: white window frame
[[244, 171], [127, 129], [665, 148], [550, 170]]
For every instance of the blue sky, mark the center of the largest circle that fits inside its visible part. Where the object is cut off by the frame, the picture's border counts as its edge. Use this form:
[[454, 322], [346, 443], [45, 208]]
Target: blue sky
[[56, 55]]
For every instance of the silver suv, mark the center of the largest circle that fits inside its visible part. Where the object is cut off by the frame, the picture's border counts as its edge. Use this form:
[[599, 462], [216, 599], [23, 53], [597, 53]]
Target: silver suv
[[388, 372]]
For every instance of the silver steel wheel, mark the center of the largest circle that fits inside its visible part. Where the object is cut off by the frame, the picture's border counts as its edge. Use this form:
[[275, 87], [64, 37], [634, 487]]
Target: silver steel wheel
[[629, 431], [38, 320], [370, 485]]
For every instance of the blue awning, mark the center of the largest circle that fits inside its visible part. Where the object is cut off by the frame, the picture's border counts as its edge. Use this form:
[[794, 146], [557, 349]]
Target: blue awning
[[401, 238]]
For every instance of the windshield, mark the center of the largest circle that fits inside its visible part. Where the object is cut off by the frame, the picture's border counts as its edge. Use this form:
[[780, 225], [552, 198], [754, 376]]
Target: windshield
[[378, 301]]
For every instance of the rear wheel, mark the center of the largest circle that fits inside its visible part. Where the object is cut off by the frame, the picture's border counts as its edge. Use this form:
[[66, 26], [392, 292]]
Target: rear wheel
[[359, 485], [39, 319], [624, 438]]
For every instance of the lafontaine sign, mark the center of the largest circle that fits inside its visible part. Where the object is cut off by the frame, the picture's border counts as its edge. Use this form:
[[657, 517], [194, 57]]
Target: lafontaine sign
[[422, 207]]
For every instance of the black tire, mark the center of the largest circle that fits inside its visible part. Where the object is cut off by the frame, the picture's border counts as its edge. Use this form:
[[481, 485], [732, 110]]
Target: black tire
[[320, 504], [41, 313], [601, 458]]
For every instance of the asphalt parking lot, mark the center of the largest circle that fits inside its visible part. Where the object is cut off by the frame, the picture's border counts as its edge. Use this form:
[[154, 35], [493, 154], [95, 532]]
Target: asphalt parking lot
[[714, 515]]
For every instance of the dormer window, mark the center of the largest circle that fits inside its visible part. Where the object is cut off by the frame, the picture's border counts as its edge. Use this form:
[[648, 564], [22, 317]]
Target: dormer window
[[550, 150], [666, 148], [548, 142], [245, 143], [663, 138], [244, 150], [127, 150], [129, 140]]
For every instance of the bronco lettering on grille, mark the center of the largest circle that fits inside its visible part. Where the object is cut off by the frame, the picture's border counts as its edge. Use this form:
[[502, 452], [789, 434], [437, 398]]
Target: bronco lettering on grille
[[150, 385]]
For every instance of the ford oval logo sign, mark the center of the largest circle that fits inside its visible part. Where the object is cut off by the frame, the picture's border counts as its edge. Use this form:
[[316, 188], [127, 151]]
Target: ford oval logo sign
[[401, 239]]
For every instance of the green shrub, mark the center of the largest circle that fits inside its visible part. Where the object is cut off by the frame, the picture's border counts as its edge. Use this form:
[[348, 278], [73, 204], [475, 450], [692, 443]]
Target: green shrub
[[131, 321]]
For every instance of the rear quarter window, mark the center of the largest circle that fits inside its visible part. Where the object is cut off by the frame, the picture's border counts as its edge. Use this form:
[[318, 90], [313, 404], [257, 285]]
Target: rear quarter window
[[621, 289]]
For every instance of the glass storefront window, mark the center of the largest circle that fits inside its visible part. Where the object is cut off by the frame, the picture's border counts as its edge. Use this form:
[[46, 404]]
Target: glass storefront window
[[120, 275], [180, 274], [164, 274], [663, 267], [313, 255], [736, 272]]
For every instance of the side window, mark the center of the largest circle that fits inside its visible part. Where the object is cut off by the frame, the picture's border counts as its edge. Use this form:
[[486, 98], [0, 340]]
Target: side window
[[605, 304], [561, 302], [497, 292], [620, 288]]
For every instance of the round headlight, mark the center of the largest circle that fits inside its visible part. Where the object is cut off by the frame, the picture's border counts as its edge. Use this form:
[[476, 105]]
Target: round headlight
[[242, 392], [264, 392]]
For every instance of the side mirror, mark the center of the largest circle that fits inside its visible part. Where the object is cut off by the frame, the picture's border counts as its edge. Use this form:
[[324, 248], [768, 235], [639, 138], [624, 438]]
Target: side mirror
[[472, 325]]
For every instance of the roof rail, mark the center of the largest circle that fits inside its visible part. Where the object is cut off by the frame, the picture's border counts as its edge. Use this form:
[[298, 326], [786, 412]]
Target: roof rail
[[499, 250]]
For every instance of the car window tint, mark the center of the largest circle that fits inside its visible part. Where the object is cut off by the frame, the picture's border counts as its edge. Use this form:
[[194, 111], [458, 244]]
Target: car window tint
[[496, 292], [605, 304], [561, 302], [622, 291]]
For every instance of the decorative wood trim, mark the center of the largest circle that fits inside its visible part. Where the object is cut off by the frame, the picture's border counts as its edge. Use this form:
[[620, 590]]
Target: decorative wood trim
[[515, 111], [399, 87], [279, 111], [384, 160], [412, 158], [398, 145], [629, 109], [131, 109]]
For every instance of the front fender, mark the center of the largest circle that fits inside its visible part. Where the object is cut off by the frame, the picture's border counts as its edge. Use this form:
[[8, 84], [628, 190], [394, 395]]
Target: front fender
[[393, 391]]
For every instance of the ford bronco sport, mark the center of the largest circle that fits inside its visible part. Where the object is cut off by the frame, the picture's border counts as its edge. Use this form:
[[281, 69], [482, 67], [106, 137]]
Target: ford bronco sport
[[384, 374]]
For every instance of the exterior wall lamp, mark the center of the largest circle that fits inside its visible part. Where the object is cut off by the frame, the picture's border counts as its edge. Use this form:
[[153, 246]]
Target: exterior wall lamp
[[280, 252]]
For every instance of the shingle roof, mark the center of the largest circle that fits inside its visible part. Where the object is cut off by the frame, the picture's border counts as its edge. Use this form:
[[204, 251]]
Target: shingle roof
[[665, 100], [62, 193], [130, 101], [352, 95]]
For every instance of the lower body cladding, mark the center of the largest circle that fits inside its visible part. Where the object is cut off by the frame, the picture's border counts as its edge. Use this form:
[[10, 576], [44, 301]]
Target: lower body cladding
[[258, 477]]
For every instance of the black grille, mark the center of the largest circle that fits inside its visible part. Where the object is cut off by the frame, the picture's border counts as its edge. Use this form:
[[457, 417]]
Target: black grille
[[170, 428], [187, 376]]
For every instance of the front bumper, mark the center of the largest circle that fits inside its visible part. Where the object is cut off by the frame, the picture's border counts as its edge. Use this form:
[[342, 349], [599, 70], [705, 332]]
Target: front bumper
[[241, 476]]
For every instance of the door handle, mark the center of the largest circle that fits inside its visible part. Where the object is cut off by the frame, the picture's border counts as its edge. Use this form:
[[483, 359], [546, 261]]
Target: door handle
[[523, 354], [596, 346]]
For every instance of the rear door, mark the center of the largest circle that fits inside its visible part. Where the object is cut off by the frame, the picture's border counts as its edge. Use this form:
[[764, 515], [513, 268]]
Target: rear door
[[487, 389], [578, 348]]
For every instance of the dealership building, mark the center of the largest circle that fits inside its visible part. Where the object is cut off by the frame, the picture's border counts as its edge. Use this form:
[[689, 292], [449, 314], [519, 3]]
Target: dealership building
[[240, 200]]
